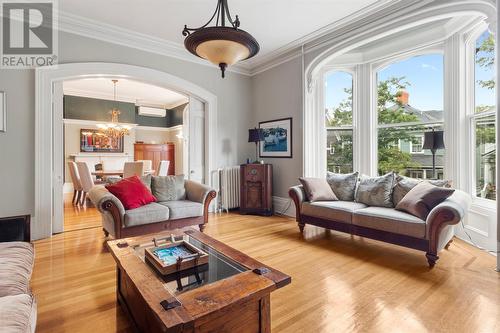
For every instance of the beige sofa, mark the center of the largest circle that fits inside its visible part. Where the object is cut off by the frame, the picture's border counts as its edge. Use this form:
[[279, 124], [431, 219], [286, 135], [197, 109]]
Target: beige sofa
[[153, 217], [385, 224], [18, 309]]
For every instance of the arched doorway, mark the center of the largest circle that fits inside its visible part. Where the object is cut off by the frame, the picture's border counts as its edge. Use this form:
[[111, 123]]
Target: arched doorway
[[48, 127]]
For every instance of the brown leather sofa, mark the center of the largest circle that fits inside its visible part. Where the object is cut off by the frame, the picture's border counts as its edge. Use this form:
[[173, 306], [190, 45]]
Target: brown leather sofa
[[385, 224]]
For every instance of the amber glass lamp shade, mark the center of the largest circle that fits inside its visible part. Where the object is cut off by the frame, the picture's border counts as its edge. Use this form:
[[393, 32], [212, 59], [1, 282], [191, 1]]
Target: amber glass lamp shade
[[222, 46]]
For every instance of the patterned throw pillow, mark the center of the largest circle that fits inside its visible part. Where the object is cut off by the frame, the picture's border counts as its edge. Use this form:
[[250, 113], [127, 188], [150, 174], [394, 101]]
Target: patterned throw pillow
[[343, 185], [422, 198], [375, 191], [405, 184], [168, 188], [317, 189]]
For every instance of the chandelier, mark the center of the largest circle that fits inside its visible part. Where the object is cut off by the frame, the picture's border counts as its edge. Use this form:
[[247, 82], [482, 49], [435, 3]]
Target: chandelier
[[220, 44], [114, 129]]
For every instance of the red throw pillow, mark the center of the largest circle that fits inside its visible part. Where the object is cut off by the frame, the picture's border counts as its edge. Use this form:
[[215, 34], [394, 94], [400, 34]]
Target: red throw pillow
[[131, 192]]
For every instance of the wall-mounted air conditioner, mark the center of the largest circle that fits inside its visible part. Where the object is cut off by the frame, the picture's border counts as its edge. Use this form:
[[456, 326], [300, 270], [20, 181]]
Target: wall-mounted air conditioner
[[152, 112]]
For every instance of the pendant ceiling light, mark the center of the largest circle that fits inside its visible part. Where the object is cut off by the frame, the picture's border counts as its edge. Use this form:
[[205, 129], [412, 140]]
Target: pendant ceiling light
[[114, 129], [220, 44]]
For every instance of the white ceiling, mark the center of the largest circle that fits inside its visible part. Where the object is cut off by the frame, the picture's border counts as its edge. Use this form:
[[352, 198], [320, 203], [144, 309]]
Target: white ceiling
[[126, 91], [274, 23]]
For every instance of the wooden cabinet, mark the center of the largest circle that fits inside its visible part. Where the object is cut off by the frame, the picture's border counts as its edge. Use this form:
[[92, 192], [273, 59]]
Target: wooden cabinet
[[256, 181], [156, 153]]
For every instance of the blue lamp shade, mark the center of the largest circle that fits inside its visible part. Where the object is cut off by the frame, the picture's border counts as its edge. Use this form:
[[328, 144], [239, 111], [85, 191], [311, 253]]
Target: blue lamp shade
[[433, 140], [255, 135]]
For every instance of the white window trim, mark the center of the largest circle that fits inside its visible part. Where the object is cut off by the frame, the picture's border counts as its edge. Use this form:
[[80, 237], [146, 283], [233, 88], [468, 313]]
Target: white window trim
[[470, 38]]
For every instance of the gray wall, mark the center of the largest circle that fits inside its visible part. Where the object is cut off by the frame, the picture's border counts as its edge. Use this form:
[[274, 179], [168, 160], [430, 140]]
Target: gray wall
[[84, 108], [17, 153], [277, 93], [174, 116]]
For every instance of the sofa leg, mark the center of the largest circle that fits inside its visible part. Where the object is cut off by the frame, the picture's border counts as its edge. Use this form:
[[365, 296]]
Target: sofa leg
[[106, 233], [201, 226], [448, 245], [301, 227], [431, 259]]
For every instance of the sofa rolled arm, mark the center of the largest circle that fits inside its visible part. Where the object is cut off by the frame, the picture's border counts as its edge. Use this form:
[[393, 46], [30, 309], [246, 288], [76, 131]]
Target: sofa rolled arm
[[298, 196], [200, 193], [442, 217], [108, 204]]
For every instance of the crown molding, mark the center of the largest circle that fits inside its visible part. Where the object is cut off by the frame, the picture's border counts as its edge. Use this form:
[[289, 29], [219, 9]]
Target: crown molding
[[121, 98], [318, 38], [86, 27]]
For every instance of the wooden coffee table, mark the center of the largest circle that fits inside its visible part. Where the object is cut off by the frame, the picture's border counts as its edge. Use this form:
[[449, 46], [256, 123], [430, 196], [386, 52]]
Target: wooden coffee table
[[229, 294]]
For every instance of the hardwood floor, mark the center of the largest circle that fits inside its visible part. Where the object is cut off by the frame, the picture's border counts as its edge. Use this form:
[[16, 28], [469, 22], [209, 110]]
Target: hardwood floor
[[78, 217], [339, 283]]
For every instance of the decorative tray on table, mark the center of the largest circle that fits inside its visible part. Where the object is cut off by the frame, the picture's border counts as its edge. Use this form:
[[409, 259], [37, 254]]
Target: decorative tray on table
[[175, 257]]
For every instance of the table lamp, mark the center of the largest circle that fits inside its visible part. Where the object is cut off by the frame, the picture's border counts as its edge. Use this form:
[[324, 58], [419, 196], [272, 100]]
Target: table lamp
[[256, 135]]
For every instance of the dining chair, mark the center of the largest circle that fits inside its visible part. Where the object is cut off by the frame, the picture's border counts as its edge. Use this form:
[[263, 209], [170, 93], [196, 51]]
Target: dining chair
[[133, 169], [75, 179], [86, 179], [163, 168], [148, 165]]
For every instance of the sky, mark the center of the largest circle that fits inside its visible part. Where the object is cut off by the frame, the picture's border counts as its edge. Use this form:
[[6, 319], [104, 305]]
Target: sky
[[425, 74]]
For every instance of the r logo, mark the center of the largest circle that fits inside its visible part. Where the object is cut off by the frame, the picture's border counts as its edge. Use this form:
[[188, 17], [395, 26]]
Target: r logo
[[27, 28]]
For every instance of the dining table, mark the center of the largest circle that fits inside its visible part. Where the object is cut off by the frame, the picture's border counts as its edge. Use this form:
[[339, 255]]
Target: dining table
[[106, 173]]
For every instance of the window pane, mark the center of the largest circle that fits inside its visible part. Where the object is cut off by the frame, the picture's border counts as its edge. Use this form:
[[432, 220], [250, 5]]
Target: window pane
[[484, 127], [485, 157], [485, 73], [400, 150], [339, 151], [338, 99], [411, 91]]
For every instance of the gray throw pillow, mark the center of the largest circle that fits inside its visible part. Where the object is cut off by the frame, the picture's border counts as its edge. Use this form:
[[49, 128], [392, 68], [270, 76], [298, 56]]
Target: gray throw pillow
[[168, 188], [405, 184], [343, 185], [146, 180], [422, 198], [375, 191], [317, 189]]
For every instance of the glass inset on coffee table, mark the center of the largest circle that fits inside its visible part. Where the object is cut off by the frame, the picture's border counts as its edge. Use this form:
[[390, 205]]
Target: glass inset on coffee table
[[218, 267]]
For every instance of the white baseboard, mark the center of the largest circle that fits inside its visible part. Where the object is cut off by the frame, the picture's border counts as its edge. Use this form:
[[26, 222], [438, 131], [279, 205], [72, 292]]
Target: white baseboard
[[283, 206]]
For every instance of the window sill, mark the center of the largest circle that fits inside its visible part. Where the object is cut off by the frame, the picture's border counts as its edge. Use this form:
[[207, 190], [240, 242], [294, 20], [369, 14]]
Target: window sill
[[483, 206]]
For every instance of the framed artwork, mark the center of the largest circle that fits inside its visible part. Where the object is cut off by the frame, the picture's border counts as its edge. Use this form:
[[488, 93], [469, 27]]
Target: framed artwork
[[3, 112], [277, 138], [93, 141]]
